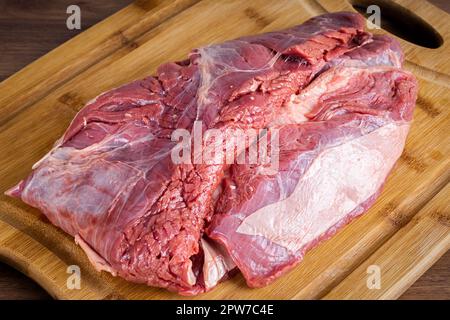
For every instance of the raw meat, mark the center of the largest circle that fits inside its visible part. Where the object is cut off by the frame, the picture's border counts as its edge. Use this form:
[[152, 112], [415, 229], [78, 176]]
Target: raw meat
[[340, 103], [333, 164]]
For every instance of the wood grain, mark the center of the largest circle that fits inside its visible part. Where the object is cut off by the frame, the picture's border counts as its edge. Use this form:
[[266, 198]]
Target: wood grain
[[433, 284], [14, 285], [174, 28], [405, 256], [30, 29]]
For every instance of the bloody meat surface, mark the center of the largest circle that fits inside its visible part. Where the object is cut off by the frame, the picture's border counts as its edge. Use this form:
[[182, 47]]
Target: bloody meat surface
[[342, 107]]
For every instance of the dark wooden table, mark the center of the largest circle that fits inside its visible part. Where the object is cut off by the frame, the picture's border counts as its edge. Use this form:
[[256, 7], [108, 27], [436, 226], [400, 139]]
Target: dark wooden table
[[31, 28]]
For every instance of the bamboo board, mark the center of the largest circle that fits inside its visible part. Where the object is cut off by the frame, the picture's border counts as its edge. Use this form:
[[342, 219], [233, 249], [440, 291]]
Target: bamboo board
[[401, 233]]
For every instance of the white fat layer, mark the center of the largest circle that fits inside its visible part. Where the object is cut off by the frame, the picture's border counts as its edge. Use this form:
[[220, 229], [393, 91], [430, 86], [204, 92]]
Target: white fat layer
[[191, 278], [96, 260], [216, 264], [337, 182]]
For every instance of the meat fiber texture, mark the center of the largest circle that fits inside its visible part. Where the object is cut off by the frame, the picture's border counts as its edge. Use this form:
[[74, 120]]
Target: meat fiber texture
[[335, 94]]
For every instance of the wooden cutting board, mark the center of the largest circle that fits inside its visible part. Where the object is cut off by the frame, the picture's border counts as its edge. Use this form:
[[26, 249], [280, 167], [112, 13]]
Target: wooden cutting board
[[402, 235]]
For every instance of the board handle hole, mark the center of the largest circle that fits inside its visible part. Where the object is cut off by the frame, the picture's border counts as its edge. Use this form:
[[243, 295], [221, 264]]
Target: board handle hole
[[401, 22]]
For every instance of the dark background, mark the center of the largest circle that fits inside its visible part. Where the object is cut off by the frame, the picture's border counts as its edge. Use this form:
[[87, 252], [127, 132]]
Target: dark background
[[31, 28]]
